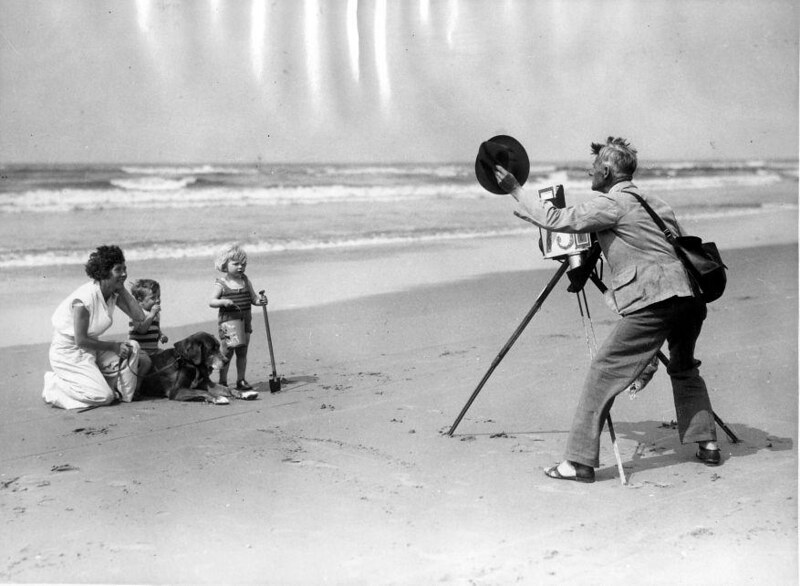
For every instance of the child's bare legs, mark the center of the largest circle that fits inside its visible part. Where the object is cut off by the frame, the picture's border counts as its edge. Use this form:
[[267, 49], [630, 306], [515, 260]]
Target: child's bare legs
[[241, 363], [145, 363], [223, 371]]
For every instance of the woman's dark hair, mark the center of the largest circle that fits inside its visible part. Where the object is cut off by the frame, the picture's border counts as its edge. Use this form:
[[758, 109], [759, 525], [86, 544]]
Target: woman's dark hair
[[102, 260]]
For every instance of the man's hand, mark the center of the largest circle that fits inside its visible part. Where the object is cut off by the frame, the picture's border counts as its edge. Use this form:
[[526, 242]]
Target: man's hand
[[506, 180], [524, 217]]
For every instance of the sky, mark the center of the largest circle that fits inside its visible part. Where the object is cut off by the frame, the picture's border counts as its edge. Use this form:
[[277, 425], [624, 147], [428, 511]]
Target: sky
[[243, 81]]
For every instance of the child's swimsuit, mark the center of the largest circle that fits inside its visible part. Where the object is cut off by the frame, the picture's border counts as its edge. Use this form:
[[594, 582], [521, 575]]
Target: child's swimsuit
[[149, 340], [241, 297]]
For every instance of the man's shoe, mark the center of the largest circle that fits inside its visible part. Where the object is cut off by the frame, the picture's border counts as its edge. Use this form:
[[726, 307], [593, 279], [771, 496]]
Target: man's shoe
[[709, 457], [243, 385], [582, 473]]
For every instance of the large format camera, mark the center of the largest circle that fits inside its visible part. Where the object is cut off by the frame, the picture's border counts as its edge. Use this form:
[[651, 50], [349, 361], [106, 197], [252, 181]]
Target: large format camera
[[562, 244], [581, 251]]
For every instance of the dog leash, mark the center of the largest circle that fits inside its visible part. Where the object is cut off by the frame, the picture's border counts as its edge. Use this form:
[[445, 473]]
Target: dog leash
[[119, 368]]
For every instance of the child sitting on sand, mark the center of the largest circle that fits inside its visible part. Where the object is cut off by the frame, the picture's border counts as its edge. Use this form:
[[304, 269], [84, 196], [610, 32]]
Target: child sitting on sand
[[233, 294], [147, 331]]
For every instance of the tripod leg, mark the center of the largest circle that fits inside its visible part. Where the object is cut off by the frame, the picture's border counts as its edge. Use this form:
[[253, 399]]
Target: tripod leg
[[526, 320], [622, 477], [725, 428]]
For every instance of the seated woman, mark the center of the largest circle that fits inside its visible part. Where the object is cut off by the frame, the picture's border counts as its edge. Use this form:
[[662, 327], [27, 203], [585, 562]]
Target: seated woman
[[88, 371]]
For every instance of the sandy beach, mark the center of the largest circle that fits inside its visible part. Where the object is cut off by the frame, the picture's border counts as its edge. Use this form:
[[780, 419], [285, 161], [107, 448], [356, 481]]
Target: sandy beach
[[347, 476], [344, 145]]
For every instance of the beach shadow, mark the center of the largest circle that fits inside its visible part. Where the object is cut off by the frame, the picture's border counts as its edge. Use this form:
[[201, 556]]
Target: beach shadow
[[288, 383], [658, 445], [147, 398]]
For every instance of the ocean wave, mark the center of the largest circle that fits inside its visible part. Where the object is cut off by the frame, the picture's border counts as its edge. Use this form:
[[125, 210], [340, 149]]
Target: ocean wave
[[188, 170], [175, 250], [74, 200], [443, 171], [152, 183], [161, 251], [440, 170], [156, 192], [674, 183]]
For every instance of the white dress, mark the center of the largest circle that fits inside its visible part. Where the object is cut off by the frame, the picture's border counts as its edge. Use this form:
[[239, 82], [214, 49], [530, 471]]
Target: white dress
[[80, 377]]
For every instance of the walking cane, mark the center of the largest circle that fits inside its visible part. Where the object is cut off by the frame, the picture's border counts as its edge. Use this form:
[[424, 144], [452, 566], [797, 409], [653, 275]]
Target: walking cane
[[274, 381]]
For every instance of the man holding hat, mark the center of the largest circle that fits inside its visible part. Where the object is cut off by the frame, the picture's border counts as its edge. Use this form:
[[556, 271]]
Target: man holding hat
[[649, 288]]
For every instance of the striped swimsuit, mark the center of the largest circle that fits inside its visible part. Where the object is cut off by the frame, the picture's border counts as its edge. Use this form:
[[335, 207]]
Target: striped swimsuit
[[241, 297], [149, 340]]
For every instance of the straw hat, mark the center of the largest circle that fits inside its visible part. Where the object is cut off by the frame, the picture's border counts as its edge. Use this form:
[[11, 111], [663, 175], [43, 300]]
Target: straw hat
[[504, 151]]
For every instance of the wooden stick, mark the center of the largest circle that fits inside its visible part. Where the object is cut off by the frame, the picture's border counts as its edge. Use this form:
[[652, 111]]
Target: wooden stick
[[622, 477]]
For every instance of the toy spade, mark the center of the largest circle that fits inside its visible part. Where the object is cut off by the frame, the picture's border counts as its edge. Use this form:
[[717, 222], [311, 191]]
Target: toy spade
[[274, 381]]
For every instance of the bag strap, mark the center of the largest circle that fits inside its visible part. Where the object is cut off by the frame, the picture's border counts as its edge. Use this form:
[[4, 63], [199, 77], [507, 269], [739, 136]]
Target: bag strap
[[656, 218], [694, 277]]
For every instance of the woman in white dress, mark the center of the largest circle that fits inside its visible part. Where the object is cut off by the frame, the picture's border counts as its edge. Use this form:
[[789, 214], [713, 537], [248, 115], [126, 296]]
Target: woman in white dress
[[88, 371]]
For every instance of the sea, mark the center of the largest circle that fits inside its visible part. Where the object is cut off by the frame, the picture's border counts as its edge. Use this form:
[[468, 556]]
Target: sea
[[57, 214]]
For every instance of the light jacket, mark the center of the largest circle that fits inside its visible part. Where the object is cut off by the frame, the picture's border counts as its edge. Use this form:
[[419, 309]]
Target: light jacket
[[644, 267]]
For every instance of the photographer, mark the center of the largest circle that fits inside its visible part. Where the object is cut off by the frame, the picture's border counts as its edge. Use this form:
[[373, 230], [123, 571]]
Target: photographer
[[651, 291]]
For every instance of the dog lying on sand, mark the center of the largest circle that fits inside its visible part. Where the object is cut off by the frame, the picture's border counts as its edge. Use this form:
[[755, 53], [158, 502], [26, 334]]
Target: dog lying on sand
[[182, 373]]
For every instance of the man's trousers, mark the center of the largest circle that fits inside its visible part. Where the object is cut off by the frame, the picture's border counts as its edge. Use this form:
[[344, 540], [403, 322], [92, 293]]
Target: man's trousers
[[632, 344]]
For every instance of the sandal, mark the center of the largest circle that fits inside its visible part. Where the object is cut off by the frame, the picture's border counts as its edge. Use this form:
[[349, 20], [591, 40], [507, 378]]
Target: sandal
[[582, 473]]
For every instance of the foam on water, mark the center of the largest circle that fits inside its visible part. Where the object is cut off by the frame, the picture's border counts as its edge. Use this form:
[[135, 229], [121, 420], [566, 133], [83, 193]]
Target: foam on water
[[73, 201], [161, 192], [19, 259], [187, 170], [152, 183], [53, 257]]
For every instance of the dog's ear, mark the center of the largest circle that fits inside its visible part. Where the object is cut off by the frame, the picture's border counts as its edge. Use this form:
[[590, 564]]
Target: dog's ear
[[219, 346], [211, 344], [190, 350]]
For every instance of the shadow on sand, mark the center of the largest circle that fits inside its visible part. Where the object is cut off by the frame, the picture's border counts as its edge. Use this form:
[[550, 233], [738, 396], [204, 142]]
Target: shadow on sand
[[658, 445], [289, 383]]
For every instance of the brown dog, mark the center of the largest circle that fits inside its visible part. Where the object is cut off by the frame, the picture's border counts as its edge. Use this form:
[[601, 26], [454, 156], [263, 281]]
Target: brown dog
[[182, 373]]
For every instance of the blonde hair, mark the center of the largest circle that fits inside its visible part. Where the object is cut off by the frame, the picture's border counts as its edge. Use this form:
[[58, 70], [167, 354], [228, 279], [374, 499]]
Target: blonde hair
[[228, 253]]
